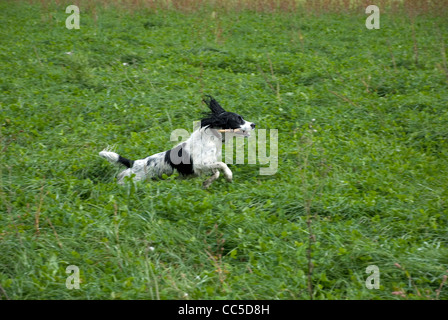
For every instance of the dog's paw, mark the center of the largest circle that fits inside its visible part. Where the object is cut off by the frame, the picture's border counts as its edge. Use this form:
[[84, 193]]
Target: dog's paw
[[228, 175], [206, 184]]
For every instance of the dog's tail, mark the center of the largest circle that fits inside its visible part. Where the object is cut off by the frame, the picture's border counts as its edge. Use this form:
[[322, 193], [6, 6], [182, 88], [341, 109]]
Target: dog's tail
[[115, 158]]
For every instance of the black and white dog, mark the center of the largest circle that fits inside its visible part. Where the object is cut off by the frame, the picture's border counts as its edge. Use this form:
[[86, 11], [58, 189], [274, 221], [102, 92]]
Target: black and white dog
[[199, 155]]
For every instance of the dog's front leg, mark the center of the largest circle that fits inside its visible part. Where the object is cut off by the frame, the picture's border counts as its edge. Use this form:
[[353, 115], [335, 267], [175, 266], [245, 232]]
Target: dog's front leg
[[225, 170]]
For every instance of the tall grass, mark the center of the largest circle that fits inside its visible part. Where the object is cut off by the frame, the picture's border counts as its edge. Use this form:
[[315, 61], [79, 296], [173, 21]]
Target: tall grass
[[410, 7]]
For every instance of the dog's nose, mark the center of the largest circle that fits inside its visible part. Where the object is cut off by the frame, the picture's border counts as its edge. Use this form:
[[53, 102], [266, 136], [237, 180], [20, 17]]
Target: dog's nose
[[252, 125]]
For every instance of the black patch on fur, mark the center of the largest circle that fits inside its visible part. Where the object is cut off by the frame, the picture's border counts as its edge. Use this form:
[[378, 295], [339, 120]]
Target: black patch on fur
[[126, 162], [180, 160], [150, 160]]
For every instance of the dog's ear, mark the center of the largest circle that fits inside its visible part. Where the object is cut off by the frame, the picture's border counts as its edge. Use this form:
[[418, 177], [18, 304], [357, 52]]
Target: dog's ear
[[213, 122], [213, 105]]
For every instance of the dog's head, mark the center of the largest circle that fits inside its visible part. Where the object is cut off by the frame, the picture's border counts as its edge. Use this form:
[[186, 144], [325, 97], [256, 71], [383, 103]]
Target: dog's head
[[221, 119]]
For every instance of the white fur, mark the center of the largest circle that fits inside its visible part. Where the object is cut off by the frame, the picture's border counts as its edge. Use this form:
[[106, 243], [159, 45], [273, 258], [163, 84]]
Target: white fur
[[110, 156]]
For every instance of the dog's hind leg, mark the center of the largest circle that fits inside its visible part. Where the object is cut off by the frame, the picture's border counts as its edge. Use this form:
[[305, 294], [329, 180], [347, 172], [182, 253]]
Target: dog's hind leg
[[122, 175], [209, 181]]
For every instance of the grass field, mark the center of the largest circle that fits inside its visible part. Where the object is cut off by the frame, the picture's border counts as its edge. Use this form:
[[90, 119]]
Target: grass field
[[362, 134]]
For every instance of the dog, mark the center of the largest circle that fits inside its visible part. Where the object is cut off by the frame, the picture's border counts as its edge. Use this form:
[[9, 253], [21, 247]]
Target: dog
[[199, 155]]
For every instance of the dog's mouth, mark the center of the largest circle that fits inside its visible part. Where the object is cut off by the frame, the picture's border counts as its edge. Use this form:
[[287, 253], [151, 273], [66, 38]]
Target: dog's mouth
[[238, 131]]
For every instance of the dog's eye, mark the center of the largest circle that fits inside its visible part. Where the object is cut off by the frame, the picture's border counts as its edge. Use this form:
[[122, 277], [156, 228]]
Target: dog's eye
[[240, 118]]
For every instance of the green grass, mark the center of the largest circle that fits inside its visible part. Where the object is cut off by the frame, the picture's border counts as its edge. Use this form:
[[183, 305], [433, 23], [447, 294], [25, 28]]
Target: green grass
[[363, 184]]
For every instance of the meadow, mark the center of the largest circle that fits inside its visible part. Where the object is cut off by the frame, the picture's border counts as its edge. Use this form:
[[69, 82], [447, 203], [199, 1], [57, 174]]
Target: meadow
[[362, 171]]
